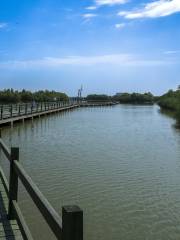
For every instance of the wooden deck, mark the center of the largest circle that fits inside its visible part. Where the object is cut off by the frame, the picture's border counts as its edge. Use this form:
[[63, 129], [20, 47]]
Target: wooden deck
[[9, 229], [16, 113], [38, 113]]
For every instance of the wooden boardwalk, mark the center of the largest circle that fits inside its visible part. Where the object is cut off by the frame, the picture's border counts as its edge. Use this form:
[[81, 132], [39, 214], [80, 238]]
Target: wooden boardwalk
[[12, 116], [9, 229], [21, 112]]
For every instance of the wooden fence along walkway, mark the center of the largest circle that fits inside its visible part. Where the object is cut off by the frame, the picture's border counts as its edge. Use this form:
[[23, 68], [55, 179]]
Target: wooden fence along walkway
[[21, 112], [12, 222]]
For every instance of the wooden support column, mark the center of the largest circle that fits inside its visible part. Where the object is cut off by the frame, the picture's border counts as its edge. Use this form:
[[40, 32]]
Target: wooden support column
[[2, 112], [13, 182], [19, 110], [26, 108], [11, 111], [72, 223]]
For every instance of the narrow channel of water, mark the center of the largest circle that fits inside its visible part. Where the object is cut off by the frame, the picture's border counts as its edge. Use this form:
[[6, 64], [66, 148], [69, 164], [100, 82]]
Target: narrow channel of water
[[120, 164]]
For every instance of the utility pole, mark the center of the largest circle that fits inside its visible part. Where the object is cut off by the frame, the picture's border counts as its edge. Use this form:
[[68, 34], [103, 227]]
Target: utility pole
[[80, 93]]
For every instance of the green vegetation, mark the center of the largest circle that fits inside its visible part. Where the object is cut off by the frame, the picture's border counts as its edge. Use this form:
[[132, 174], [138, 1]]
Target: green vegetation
[[98, 97], [134, 98], [14, 96], [171, 101]]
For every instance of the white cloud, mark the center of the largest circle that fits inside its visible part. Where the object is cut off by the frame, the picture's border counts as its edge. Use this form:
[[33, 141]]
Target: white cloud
[[109, 2], [122, 60], [3, 25], [89, 15], [170, 52], [120, 25], [154, 9], [91, 8], [99, 3]]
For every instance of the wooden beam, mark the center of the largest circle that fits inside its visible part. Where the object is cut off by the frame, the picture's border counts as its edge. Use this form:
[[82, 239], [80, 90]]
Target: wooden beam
[[72, 223]]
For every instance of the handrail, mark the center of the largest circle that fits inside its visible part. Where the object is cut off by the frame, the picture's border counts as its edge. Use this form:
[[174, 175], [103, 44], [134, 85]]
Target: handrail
[[5, 149], [4, 181], [16, 110], [69, 227], [48, 212]]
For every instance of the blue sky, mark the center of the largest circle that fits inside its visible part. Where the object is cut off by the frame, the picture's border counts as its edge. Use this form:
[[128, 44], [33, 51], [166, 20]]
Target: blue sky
[[108, 46]]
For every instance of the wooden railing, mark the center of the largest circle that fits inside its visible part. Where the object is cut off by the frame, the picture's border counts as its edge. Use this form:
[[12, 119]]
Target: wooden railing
[[67, 227], [15, 110]]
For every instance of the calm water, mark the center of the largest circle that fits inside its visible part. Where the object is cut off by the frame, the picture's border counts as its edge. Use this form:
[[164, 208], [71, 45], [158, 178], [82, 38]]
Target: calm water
[[120, 164]]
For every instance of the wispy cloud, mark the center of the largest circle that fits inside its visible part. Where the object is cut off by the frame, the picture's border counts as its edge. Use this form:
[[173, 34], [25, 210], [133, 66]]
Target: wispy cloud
[[99, 3], [114, 60], [3, 25], [89, 15], [171, 52], [109, 2], [154, 9], [91, 8], [120, 25]]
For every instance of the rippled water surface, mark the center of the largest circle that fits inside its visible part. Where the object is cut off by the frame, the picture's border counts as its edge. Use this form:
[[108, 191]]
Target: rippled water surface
[[120, 164]]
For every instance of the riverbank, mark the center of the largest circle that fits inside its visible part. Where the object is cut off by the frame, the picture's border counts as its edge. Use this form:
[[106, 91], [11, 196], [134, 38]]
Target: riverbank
[[171, 102]]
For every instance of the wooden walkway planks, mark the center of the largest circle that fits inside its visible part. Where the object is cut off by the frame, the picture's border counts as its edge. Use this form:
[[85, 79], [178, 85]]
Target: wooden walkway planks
[[8, 229]]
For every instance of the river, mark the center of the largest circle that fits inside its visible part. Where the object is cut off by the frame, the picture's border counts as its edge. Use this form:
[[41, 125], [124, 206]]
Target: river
[[120, 164]]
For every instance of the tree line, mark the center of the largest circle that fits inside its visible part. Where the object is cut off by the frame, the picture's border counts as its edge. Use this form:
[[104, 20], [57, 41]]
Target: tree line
[[15, 96], [171, 101], [132, 98]]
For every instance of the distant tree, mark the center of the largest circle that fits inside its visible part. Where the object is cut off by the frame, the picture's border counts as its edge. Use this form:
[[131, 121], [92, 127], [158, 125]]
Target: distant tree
[[12, 96], [98, 97], [171, 101], [26, 96], [135, 98]]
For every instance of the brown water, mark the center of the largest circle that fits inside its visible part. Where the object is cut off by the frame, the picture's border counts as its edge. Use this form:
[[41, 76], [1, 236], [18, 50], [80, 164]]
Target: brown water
[[120, 164]]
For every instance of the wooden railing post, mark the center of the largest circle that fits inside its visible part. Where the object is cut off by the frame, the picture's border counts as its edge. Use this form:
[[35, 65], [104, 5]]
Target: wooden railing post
[[2, 112], [26, 108], [13, 182], [11, 111], [19, 110], [72, 223]]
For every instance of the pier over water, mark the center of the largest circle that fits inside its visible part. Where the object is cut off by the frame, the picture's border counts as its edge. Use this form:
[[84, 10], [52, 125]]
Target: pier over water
[[21, 112]]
